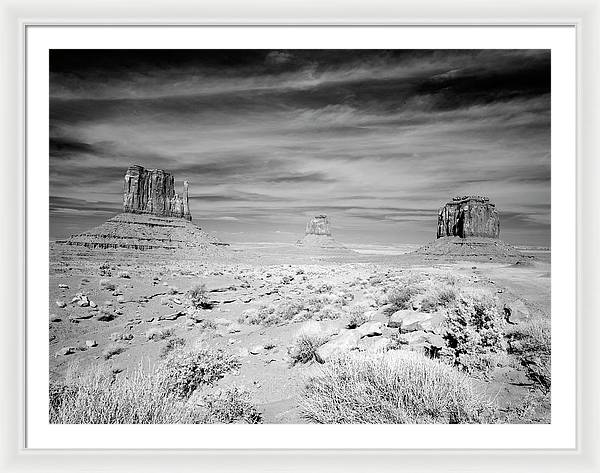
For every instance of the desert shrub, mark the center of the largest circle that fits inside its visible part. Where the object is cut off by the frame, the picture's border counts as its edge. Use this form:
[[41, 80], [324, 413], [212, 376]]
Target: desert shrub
[[474, 333], [394, 387], [530, 342], [96, 396], [225, 406], [107, 284], [288, 310], [112, 350], [208, 325], [158, 333], [184, 370], [436, 298], [357, 316], [533, 408], [328, 312], [198, 296], [304, 347], [273, 314], [401, 297], [447, 296], [171, 345]]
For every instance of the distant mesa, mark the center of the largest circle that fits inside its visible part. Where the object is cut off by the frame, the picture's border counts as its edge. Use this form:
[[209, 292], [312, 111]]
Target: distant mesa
[[152, 191], [318, 234], [154, 217], [469, 228]]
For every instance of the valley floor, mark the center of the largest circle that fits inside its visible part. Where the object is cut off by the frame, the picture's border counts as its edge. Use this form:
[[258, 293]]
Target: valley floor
[[126, 310]]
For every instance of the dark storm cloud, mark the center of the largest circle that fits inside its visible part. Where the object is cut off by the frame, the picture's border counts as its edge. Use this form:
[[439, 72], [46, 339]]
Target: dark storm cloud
[[377, 138]]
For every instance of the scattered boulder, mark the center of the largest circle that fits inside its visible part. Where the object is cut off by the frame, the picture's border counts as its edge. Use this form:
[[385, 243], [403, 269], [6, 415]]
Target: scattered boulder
[[408, 320], [91, 343], [65, 351], [375, 344], [234, 327], [256, 350], [516, 312], [344, 342], [369, 329], [61, 304]]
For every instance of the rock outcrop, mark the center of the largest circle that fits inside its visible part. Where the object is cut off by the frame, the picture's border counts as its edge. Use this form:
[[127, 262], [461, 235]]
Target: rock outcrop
[[318, 234], [469, 216], [154, 218], [152, 191], [468, 228], [318, 225]]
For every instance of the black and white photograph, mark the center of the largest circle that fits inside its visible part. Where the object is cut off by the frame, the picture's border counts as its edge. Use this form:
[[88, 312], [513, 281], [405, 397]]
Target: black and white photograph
[[299, 236]]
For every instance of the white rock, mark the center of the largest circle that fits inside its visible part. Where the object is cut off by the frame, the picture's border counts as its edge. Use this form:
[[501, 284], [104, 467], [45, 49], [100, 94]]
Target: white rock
[[61, 304], [344, 342], [255, 350], [65, 351], [91, 343], [369, 329]]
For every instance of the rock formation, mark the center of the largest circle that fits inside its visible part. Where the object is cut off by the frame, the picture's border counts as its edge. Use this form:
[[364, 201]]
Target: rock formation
[[154, 218], [318, 234], [469, 216], [318, 225], [152, 191], [469, 228]]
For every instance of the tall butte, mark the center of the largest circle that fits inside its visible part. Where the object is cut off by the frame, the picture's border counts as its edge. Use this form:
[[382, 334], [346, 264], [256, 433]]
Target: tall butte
[[469, 227], [154, 217], [152, 191], [318, 234]]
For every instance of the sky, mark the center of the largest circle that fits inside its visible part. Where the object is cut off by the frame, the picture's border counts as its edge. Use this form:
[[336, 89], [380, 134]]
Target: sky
[[376, 139]]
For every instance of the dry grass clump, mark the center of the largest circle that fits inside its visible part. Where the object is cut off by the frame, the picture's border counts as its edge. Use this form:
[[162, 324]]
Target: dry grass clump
[[198, 296], [184, 370], [475, 333], [171, 345], [357, 316], [304, 347], [112, 350], [158, 333], [395, 387], [530, 342], [436, 298], [96, 396], [225, 406], [401, 297], [274, 314]]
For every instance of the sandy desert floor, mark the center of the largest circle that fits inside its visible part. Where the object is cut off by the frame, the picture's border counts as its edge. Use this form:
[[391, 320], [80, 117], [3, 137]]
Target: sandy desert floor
[[258, 300]]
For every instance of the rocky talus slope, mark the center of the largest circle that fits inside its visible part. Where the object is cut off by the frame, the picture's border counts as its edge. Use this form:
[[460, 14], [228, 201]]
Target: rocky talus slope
[[144, 232]]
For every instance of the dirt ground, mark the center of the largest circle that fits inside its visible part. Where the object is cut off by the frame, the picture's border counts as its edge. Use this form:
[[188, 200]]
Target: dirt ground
[[102, 298]]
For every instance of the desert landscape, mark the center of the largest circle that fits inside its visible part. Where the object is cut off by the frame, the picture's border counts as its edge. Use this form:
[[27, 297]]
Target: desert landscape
[[299, 236], [264, 333]]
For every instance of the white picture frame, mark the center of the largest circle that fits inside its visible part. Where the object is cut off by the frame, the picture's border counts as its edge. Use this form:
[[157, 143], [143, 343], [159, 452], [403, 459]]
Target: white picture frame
[[584, 16]]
